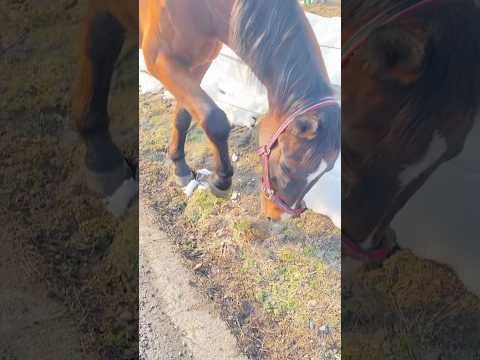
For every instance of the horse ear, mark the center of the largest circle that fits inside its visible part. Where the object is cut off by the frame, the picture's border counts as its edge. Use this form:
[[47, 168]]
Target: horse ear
[[398, 53], [306, 126]]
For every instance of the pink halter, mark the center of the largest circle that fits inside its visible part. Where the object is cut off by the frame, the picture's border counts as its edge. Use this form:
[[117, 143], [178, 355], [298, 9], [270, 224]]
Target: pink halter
[[265, 150]]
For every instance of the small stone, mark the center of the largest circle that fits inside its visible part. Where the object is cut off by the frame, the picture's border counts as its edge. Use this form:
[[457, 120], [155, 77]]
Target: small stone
[[234, 157], [324, 329], [198, 267], [235, 195]]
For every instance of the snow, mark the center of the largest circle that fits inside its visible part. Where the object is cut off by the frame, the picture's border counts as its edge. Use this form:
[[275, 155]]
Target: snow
[[231, 84]]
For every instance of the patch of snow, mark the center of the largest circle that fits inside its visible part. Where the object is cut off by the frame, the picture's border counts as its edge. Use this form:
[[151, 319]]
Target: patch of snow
[[325, 196]]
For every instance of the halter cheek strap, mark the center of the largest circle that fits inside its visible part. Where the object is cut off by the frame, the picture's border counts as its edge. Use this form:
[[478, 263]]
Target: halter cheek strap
[[264, 153]]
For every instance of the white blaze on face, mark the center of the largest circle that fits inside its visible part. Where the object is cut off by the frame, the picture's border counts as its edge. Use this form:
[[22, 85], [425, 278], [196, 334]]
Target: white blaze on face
[[436, 149]]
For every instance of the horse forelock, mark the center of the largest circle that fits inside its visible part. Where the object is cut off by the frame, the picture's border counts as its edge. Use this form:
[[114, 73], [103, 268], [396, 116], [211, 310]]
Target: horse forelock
[[273, 39]]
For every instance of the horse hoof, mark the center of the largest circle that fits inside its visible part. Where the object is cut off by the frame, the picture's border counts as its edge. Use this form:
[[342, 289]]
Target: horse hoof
[[183, 181], [118, 203], [217, 191], [117, 187]]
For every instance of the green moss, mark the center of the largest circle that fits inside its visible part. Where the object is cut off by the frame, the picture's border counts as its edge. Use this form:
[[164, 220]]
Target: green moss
[[201, 205]]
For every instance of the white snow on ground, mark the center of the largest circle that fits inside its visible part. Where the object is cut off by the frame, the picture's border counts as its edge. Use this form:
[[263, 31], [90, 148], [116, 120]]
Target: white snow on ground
[[229, 82]]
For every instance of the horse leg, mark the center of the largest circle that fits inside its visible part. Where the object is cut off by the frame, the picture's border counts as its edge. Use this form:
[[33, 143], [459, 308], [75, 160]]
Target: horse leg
[[107, 172], [181, 121], [184, 84]]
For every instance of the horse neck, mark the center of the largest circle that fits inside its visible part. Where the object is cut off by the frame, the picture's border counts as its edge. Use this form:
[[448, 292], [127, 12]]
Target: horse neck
[[280, 48]]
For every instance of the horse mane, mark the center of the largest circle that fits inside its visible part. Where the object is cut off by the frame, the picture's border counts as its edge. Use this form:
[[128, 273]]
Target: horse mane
[[271, 37], [449, 86]]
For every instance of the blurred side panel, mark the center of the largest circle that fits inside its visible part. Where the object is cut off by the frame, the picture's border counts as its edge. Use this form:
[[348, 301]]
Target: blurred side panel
[[69, 214], [410, 178]]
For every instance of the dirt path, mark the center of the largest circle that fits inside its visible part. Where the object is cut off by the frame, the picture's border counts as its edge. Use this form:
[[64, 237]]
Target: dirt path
[[167, 297], [32, 324], [159, 337]]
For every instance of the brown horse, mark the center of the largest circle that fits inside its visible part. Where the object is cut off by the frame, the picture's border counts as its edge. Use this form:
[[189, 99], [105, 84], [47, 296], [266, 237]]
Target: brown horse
[[180, 39], [412, 90]]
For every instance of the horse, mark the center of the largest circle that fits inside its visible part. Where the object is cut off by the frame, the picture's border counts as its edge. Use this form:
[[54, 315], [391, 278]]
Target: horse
[[411, 103], [300, 135]]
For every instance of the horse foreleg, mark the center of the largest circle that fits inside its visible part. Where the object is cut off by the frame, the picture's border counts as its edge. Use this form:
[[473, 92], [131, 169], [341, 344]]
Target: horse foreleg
[[181, 121], [184, 84], [180, 124], [107, 172]]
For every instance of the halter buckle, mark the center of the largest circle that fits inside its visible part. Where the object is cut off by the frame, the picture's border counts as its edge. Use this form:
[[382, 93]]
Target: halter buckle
[[263, 150]]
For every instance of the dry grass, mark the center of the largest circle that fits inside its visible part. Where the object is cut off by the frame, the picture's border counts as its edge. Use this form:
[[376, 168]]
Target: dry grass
[[410, 308], [326, 10]]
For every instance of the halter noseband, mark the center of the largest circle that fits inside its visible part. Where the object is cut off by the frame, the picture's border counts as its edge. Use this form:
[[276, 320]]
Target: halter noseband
[[265, 150]]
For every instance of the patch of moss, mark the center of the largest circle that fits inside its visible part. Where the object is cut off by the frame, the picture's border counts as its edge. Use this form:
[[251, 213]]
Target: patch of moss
[[201, 205]]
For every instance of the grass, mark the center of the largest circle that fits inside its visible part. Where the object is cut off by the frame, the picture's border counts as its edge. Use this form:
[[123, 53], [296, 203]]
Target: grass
[[326, 10], [202, 205]]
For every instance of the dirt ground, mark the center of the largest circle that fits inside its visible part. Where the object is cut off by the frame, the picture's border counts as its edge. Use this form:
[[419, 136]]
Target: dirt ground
[[84, 261], [158, 334]]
